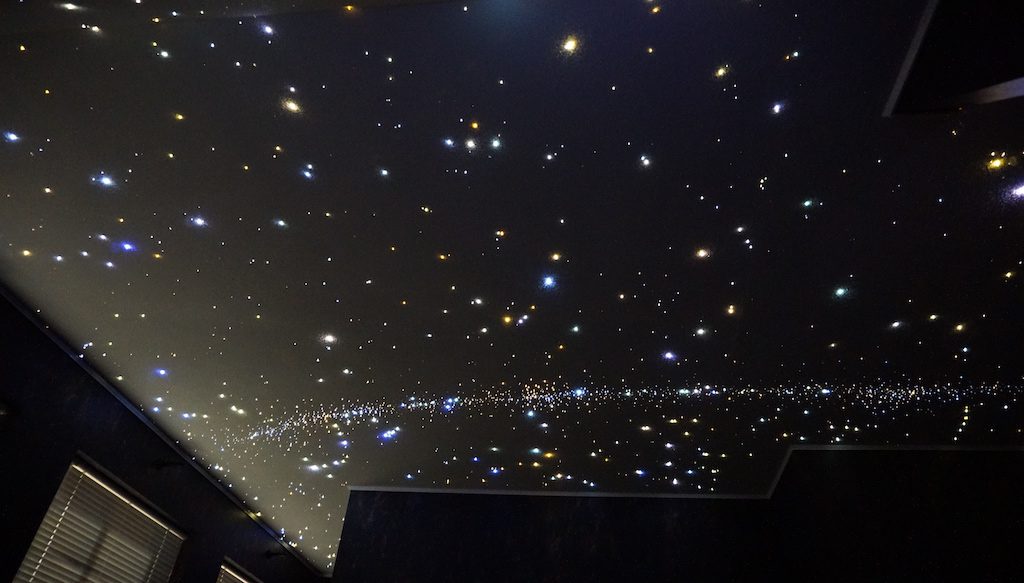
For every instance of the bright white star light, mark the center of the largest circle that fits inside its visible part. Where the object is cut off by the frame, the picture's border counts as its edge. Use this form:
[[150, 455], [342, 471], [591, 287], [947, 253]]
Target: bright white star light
[[12, 137], [548, 281], [103, 180], [198, 221], [668, 355]]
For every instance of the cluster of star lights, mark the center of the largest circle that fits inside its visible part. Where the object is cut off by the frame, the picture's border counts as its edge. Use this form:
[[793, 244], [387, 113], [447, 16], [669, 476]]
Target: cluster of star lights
[[320, 252]]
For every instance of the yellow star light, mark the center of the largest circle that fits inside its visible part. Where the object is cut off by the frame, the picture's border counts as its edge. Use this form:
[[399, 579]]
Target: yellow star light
[[570, 44]]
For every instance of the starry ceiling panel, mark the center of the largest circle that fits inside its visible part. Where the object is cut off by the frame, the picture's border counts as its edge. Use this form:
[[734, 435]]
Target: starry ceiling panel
[[632, 248]]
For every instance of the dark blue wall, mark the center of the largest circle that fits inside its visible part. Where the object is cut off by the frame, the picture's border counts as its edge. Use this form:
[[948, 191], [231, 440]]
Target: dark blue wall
[[54, 409]]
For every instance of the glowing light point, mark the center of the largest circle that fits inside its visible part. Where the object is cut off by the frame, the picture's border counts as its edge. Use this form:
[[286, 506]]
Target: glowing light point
[[11, 137], [198, 221], [570, 44], [777, 108], [668, 355], [384, 173], [329, 338], [103, 180], [841, 292], [703, 253], [1019, 191], [291, 106], [548, 281], [162, 372], [721, 71], [895, 325], [267, 29]]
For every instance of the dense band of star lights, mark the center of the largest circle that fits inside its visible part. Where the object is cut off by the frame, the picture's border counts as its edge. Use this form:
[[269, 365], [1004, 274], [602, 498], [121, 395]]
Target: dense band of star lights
[[508, 246]]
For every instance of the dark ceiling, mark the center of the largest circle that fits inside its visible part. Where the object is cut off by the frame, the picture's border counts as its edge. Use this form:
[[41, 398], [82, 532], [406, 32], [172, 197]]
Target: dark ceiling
[[616, 247]]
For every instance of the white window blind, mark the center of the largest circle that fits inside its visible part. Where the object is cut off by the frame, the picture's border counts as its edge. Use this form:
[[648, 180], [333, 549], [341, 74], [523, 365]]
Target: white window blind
[[94, 534], [229, 575]]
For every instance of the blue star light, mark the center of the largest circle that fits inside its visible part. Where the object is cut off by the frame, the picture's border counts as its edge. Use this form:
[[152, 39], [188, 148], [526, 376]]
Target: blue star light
[[103, 179]]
